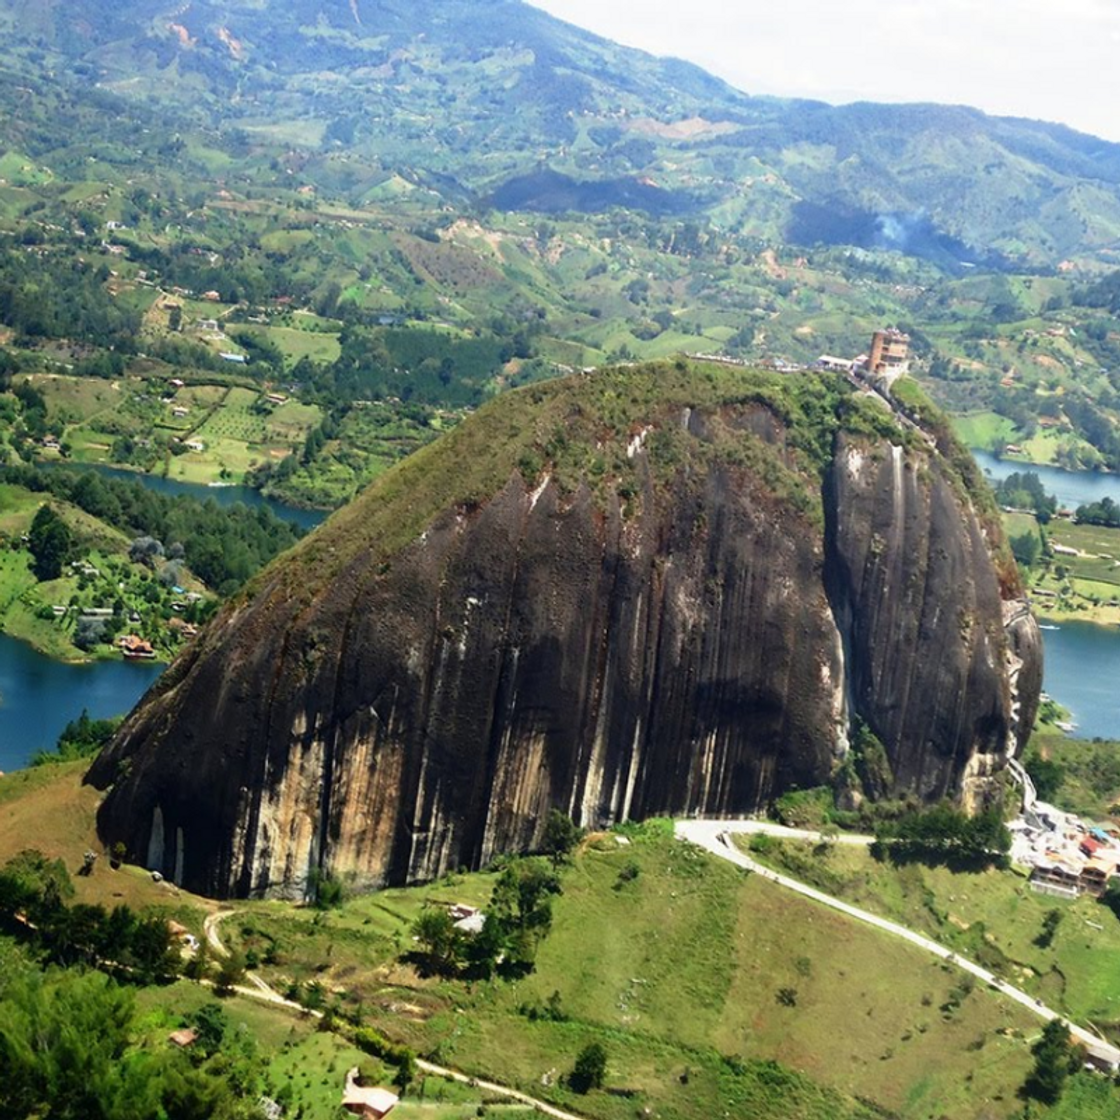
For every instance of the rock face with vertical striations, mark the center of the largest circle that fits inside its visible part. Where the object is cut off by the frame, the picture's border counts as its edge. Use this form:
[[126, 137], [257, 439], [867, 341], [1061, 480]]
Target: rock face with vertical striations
[[658, 590]]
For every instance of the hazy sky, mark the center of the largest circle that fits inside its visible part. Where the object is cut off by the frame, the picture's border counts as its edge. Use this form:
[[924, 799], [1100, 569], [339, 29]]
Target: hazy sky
[[1056, 60]]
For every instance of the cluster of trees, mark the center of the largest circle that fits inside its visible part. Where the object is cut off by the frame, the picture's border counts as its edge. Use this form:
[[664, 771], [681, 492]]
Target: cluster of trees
[[50, 542], [69, 1050], [590, 1068], [1047, 774], [34, 894], [1096, 426], [223, 545], [517, 920], [401, 1057], [1024, 490], [81, 738], [429, 367], [57, 295], [943, 834], [1026, 547], [1103, 293], [1105, 512], [1055, 1058]]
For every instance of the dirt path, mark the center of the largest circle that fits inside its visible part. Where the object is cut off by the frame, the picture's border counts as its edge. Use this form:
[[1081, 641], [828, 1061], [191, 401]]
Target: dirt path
[[264, 992]]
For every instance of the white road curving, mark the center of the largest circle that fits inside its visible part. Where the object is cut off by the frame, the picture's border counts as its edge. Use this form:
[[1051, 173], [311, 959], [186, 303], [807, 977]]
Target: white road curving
[[714, 836]]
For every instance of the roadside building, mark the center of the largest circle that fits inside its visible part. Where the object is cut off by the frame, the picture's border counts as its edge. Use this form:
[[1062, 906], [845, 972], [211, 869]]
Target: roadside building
[[370, 1104]]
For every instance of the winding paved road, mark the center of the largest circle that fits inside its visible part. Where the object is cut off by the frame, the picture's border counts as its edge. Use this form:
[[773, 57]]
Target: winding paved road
[[714, 836]]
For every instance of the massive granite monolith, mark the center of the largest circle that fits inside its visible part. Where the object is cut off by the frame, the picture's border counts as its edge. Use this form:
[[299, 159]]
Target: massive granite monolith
[[660, 590]]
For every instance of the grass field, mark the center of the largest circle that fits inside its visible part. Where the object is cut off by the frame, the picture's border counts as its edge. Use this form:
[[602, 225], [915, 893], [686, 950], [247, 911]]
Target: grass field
[[670, 969], [983, 429], [296, 343], [76, 399], [1015, 524], [221, 460], [48, 808], [991, 916]]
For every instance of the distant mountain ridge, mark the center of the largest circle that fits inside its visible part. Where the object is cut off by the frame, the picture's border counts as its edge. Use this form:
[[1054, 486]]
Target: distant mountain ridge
[[466, 96]]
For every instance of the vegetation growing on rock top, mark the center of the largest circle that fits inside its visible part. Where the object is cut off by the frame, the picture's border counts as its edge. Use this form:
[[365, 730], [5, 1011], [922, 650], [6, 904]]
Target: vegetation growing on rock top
[[581, 431]]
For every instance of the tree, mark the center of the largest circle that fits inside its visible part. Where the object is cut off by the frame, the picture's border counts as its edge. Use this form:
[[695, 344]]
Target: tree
[[521, 904], [34, 883], [439, 940], [327, 892], [590, 1068], [62, 1041], [154, 957], [872, 765], [561, 834], [89, 632], [1111, 897], [145, 550], [1055, 1058], [1046, 773], [68, 1051], [211, 1024], [1026, 548], [944, 834], [1050, 925], [50, 542], [482, 951], [230, 974]]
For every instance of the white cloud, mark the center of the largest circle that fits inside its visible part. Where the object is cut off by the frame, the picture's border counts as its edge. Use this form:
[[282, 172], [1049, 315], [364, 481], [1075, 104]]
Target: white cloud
[[1031, 58]]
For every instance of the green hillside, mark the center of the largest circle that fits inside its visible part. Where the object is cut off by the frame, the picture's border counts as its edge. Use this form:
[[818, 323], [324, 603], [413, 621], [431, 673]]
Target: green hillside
[[493, 100], [708, 989]]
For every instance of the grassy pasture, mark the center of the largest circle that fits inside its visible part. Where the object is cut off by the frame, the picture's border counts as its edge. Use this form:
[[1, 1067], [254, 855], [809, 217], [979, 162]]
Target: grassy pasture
[[683, 962], [983, 429], [991, 916], [296, 343]]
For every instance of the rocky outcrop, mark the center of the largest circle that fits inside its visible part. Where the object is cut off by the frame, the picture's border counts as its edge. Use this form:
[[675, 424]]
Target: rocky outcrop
[[685, 625]]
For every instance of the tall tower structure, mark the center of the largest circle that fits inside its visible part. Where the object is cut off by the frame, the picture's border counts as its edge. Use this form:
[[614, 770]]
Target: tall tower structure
[[890, 352]]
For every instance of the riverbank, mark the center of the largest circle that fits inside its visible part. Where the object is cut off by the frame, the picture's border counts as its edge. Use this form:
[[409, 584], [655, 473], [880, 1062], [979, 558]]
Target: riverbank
[[1101, 615]]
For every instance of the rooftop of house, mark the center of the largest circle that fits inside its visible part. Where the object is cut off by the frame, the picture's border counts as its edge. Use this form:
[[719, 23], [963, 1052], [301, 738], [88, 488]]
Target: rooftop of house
[[366, 1101]]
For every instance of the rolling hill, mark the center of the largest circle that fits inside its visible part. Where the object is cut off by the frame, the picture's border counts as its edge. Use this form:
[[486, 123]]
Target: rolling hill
[[465, 99]]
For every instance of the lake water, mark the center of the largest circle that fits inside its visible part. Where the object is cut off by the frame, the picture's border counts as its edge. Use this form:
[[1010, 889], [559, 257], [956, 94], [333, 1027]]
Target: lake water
[[1071, 488], [1082, 668], [222, 495], [1082, 659], [39, 697]]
